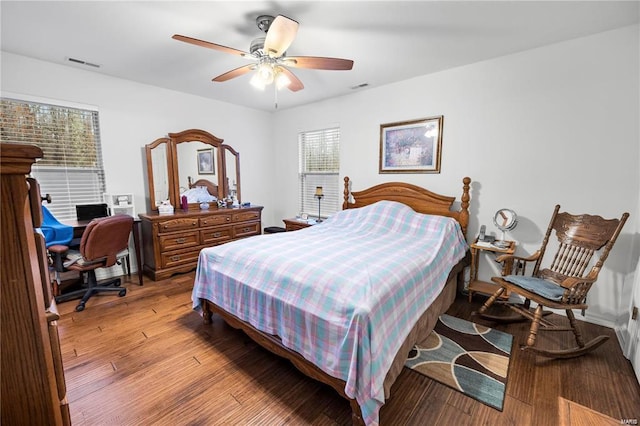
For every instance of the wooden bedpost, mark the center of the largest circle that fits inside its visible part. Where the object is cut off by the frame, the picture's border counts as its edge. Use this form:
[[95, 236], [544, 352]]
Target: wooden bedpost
[[346, 193], [206, 312], [464, 211]]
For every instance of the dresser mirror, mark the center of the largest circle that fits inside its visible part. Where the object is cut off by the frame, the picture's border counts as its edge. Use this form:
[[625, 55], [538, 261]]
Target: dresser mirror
[[187, 162], [232, 173], [159, 171]]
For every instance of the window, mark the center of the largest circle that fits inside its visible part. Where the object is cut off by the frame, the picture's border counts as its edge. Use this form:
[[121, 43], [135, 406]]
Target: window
[[319, 165], [71, 169]]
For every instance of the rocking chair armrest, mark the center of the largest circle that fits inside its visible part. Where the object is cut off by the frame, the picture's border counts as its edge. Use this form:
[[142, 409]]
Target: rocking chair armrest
[[571, 282]]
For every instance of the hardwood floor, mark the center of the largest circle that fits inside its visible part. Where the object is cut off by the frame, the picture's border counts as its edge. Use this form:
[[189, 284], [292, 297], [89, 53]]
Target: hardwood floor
[[147, 358]]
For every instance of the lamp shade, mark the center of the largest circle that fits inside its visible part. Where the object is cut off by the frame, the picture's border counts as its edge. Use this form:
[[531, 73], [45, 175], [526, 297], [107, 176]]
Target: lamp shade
[[318, 191]]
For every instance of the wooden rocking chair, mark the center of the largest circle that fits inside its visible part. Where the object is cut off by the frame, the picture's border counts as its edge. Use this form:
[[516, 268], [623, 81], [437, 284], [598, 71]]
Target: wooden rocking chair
[[564, 284]]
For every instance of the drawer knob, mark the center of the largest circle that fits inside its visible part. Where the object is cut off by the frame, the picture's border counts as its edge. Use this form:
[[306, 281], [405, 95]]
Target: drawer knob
[[181, 240], [228, 219], [217, 234], [175, 258], [247, 229]]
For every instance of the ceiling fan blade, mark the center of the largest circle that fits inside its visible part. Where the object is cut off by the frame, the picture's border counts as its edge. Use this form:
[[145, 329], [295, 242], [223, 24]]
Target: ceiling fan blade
[[318, 63], [280, 36], [234, 73], [295, 84], [210, 45]]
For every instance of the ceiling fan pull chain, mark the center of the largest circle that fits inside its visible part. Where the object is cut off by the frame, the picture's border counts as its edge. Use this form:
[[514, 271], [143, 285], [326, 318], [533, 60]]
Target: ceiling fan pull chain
[[275, 91]]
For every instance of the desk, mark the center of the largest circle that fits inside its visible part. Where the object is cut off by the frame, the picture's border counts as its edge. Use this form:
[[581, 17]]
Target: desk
[[80, 225]]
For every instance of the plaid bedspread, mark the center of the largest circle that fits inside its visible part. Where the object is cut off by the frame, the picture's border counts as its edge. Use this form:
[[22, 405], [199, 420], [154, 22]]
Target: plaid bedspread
[[344, 293]]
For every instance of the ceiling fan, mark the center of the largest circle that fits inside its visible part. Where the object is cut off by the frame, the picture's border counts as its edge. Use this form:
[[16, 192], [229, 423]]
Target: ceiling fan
[[268, 54]]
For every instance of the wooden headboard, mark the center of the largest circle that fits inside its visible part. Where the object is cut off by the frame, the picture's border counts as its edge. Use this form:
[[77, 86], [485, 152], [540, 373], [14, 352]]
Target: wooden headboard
[[419, 199], [211, 187]]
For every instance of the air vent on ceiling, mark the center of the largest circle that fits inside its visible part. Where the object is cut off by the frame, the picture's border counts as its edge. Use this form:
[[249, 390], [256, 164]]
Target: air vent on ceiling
[[81, 62]]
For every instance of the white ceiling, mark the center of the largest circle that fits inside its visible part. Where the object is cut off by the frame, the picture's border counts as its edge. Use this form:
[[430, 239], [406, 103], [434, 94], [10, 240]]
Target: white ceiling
[[388, 41]]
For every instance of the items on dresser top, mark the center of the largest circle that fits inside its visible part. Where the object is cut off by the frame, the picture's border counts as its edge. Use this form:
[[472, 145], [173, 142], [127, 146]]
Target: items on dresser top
[[172, 243]]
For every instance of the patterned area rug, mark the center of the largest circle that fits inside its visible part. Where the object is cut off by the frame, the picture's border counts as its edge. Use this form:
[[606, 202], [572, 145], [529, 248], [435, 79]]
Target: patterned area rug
[[468, 357]]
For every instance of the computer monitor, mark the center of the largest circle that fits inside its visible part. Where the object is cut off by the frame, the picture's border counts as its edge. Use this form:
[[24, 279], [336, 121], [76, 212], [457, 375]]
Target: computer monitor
[[91, 211]]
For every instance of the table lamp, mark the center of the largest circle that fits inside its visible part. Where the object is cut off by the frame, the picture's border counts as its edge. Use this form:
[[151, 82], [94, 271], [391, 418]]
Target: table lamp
[[319, 195]]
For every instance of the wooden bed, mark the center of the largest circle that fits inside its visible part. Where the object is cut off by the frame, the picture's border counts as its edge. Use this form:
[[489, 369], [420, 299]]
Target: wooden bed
[[212, 188], [422, 201]]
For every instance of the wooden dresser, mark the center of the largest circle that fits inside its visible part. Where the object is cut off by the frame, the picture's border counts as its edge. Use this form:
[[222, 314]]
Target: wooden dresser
[[33, 387], [172, 243]]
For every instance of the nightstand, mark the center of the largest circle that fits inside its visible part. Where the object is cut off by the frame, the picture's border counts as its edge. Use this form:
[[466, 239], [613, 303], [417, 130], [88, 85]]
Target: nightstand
[[477, 286], [295, 224]]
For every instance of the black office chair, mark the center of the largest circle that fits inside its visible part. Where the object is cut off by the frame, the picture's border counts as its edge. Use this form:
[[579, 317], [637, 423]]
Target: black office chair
[[101, 242]]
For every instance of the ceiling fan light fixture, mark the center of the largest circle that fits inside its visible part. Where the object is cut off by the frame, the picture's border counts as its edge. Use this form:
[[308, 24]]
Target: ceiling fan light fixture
[[269, 53], [282, 80], [266, 72], [257, 82]]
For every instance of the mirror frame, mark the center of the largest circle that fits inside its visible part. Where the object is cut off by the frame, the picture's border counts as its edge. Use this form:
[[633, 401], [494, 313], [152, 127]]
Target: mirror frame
[[225, 187], [196, 135], [149, 148], [191, 135]]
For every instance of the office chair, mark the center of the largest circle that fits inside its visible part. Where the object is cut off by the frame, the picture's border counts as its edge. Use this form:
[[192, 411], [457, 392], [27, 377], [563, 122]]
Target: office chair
[[101, 242], [93, 211], [582, 240]]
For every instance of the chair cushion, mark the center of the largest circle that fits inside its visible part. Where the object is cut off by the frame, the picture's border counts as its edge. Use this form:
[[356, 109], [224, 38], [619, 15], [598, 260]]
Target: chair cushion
[[541, 287]]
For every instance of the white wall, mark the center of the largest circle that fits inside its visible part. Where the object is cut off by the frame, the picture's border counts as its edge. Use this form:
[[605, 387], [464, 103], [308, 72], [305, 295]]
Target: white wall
[[554, 125], [133, 114]]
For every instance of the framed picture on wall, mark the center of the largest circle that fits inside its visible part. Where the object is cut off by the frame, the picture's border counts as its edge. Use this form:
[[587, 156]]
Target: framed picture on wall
[[411, 146], [205, 162]]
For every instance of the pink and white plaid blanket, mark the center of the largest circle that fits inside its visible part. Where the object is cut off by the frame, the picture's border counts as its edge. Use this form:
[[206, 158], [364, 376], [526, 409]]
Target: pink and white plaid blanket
[[344, 293]]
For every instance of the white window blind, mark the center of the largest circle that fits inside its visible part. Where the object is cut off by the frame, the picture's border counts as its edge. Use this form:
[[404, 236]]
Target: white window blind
[[71, 169], [319, 165]]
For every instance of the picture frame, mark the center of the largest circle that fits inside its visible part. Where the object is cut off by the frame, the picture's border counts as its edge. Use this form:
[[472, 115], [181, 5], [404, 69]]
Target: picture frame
[[411, 146], [206, 163]]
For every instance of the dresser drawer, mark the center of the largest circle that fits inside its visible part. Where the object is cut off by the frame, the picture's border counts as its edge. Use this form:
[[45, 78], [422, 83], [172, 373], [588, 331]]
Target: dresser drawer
[[179, 241], [181, 257], [246, 229], [218, 235], [242, 216], [177, 224], [218, 219]]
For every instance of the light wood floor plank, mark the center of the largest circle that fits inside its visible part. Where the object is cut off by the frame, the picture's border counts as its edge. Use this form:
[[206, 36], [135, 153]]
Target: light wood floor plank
[[147, 358]]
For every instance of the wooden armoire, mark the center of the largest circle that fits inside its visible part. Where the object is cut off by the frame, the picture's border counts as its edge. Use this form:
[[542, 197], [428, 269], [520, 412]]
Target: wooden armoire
[[33, 388]]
